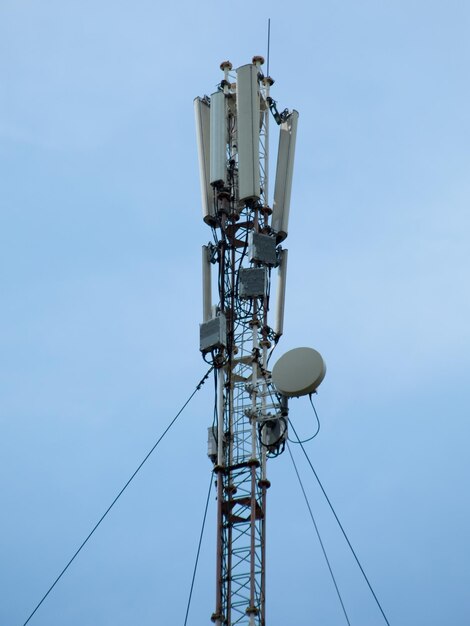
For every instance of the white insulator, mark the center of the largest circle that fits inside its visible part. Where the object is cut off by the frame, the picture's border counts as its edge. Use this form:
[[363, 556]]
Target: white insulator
[[248, 117], [206, 285], [284, 172], [218, 140], [281, 294], [202, 114]]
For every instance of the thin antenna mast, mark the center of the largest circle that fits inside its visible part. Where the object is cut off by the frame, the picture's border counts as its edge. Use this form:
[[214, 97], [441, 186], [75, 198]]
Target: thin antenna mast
[[250, 424], [269, 41]]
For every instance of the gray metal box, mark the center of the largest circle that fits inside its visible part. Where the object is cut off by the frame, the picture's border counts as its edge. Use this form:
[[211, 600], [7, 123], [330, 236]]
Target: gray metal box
[[212, 334], [252, 282], [262, 248]]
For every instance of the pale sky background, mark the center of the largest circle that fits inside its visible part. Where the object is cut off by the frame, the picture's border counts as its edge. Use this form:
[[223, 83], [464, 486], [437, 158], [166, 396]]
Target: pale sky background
[[100, 236]]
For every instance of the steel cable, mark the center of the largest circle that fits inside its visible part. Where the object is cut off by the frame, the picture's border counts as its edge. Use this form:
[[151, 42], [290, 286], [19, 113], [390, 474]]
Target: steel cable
[[198, 550], [340, 526], [318, 535], [82, 545]]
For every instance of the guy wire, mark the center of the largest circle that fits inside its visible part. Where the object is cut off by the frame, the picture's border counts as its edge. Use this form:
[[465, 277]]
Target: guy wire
[[85, 541]]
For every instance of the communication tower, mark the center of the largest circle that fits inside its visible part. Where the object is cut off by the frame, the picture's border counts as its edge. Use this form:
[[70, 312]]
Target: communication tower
[[237, 336]]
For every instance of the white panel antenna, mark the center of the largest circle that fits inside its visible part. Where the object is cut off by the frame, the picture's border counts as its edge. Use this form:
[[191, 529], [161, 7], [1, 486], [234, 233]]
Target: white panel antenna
[[206, 285], [248, 121], [202, 114], [280, 295], [218, 140], [284, 173]]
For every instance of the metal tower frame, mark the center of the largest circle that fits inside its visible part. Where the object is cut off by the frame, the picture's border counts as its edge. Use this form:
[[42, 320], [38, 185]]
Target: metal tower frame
[[250, 417]]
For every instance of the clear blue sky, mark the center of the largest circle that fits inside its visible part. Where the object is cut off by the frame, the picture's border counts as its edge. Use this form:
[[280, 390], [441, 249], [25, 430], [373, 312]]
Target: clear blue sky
[[100, 235]]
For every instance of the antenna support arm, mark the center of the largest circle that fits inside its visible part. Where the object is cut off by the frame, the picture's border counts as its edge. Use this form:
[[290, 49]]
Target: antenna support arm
[[279, 117]]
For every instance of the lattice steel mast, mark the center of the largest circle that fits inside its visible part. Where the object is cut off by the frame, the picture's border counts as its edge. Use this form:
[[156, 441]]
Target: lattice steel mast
[[250, 418]]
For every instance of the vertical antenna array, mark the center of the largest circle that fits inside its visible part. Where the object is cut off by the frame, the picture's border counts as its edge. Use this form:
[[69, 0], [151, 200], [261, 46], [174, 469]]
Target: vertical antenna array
[[250, 419]]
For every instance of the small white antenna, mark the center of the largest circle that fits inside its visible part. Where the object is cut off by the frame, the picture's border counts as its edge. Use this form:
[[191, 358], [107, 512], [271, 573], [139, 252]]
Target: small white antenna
[[206, 285]]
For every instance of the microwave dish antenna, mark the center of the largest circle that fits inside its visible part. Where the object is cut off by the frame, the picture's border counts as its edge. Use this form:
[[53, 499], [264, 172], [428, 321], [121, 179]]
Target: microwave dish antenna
[[298, 372]]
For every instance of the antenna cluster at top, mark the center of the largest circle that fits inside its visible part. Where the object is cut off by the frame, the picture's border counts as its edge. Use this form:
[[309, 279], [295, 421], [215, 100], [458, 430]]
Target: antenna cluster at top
[[233, 145]]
